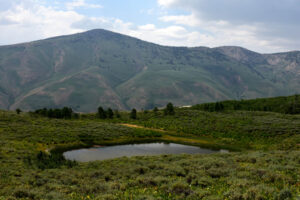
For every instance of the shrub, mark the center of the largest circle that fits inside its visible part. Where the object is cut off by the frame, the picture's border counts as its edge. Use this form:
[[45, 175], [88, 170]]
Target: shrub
[[141, 170], [284, 194], [203, 182], [258, 192], [180, 188], [54, 160], [217, 172], [23, 194]]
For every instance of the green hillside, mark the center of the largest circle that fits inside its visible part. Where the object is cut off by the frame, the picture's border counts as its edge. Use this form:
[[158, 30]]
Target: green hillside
[[263, 162], [287, 105], [99, 67]]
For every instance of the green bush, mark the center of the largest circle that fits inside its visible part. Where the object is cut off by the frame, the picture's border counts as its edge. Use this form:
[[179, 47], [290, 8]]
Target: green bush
[[180, 188]]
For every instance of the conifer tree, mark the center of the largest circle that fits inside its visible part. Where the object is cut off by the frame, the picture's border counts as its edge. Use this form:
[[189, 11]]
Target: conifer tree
[[101, 113], [169, 110], [133, 114], [110, 113]]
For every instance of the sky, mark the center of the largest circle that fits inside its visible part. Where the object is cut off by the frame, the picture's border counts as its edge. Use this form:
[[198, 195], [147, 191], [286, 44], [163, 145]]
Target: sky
[[264, 26]]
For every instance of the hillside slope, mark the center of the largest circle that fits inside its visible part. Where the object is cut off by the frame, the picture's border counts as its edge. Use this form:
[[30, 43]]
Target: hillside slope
[[99, 67]]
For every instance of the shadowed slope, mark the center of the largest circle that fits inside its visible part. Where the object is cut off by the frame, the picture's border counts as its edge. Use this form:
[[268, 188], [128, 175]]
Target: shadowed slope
[[99, 67]]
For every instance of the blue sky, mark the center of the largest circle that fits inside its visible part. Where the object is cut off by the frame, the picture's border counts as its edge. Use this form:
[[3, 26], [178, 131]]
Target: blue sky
[[263, 26]]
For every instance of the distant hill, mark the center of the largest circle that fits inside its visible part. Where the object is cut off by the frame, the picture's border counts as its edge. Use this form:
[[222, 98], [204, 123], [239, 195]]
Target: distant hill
[[100, 67]]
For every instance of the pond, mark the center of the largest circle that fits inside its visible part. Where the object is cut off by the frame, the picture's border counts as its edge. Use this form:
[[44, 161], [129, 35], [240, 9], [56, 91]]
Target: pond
[[109, 152]]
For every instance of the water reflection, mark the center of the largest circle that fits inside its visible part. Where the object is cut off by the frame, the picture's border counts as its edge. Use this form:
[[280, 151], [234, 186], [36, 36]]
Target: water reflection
[[109, 152]]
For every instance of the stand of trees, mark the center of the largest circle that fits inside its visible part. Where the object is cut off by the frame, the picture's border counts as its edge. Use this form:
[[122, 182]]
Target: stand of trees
[[287, 105], [67, 113], [213, 107], [64, 113], [109, 113]]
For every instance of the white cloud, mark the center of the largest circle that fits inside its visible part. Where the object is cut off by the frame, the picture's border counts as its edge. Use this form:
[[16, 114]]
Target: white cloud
[[264, 26], [81, 4], [170, 35], [166, 3], [28, 20], [222, 33], [188, 20], [147, 27], [27, 23]]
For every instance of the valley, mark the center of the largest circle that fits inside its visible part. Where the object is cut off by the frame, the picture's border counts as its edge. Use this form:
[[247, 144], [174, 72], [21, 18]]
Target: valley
[[263, 162]]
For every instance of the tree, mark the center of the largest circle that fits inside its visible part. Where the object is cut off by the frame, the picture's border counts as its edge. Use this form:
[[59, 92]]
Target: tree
[[50, 113], [18, 111], [155, 110], [206, 107], [219, 106], [57, 113], [76, 116], [101, 113], [110, 113], [67, 113], [133, 114], [169, 110], [44, 112], [236, 105], [117, 114]]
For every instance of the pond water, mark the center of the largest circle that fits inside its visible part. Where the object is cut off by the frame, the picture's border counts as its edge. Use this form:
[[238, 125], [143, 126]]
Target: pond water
[[109, 152]]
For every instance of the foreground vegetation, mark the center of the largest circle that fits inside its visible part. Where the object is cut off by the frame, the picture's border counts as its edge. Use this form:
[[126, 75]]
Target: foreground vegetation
[[240, 129], [266, 164]]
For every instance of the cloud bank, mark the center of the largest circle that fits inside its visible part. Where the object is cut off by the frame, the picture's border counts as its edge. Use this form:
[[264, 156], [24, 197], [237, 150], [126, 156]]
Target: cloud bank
[[266, 26], [263, 26]]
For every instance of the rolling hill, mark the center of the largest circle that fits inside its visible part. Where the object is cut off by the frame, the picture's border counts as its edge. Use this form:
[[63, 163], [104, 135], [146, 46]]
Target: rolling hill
[[100, 67]]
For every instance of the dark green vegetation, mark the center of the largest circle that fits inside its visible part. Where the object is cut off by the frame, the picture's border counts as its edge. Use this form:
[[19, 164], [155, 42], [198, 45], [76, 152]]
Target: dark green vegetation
[[98, 67], [287, 105], [64, 113], [236, 129], [266, 165], [169, 110], [133, 114], [103, 114]]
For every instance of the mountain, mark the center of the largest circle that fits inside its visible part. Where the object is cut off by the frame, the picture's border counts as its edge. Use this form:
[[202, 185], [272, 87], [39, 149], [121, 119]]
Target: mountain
[[100, 67]]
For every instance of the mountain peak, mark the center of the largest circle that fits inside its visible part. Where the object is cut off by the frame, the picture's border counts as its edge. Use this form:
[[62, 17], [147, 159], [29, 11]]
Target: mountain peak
[[100, 67], [241, 54]]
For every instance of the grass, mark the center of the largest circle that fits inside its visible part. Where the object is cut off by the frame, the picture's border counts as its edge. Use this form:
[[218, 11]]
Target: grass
[[241, 129], [265, 167]]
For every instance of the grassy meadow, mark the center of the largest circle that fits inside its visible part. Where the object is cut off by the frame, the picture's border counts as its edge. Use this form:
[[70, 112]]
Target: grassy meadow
[[264, 162]]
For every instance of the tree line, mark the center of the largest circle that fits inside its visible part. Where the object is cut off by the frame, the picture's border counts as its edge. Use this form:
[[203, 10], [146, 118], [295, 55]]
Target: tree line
[[68, 113], [287, 105], [63, 113], [109, 113]]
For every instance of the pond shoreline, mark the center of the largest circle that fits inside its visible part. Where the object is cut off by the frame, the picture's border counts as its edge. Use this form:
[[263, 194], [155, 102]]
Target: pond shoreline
[[60, 149], [136, 149]]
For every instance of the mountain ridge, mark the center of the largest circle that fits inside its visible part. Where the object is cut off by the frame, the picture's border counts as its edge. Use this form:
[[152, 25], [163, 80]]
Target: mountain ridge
[[100, 67], [128, 36]]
